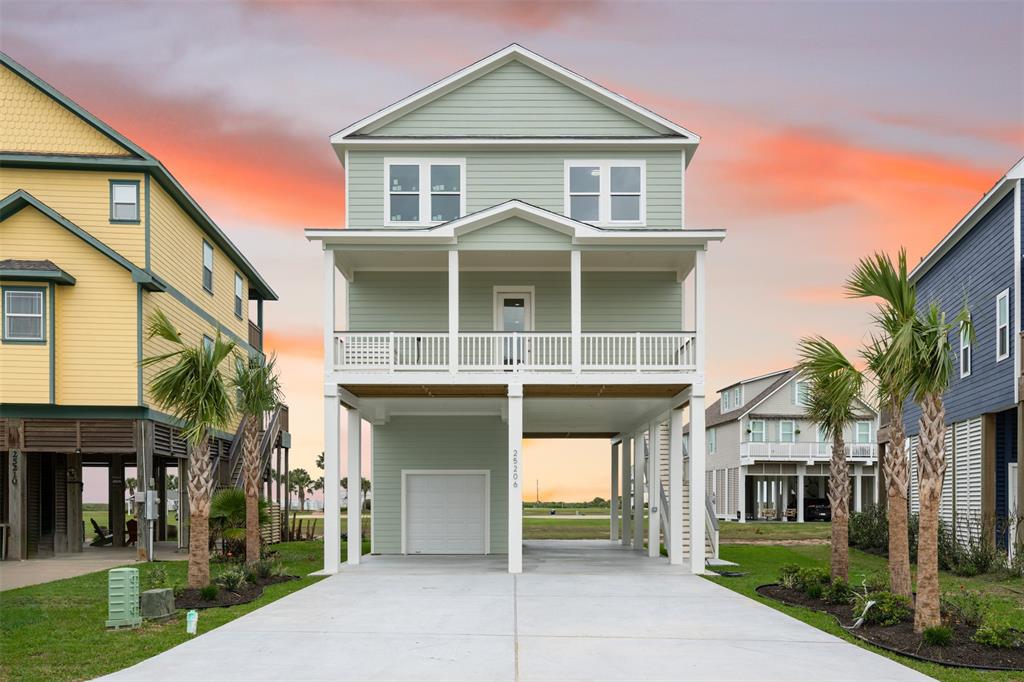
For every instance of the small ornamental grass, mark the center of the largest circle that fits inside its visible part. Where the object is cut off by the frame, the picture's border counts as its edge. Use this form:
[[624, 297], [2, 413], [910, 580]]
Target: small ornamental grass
[[938, 635], [209, 592], [233, 578]]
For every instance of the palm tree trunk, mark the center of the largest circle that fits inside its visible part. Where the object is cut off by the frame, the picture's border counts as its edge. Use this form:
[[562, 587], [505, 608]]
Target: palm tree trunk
[[897, 480], [251, 482], [932, 469], [200, 484], [839, 499]]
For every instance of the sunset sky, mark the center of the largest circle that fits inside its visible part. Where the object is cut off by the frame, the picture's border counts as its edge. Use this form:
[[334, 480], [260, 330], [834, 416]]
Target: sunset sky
[[829, 130]]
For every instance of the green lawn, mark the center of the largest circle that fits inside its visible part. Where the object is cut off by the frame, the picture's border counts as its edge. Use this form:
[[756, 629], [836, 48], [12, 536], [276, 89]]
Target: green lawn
[[730, 531], [762, 562], [564, 528], [55, 631], [566, 511]]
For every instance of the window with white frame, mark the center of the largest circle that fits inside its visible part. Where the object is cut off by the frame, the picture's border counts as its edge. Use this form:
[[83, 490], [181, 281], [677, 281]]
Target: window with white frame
[[801, 392], [425, 192], [726, 401], [1003, 325], [207, 344], [787, 431], [24, 313], [757, 434], [239, 297], [207, 267], [965, 351], [124, 201], [863, 432], [712, 441], [606, 192]]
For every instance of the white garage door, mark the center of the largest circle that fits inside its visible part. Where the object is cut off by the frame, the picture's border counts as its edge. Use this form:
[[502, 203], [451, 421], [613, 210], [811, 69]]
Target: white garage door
[[445, 513]]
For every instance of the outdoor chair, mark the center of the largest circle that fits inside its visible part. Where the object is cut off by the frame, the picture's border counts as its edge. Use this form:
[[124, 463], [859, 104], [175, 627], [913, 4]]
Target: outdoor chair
[[131, 531], [103, 537]]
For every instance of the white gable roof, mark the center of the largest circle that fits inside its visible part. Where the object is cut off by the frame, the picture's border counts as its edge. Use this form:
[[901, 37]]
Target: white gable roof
[[534, 60]]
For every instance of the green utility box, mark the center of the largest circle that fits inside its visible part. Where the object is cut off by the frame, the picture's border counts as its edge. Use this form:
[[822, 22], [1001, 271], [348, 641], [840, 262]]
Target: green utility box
[[123, 598]]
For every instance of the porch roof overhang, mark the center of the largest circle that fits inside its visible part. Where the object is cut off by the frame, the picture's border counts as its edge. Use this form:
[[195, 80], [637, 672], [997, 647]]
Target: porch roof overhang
[[426, 247]]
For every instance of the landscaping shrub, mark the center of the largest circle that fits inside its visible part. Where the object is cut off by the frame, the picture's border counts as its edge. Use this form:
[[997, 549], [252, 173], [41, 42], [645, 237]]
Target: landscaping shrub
[[869, 530], [263, 569], [789, 576], [889, 608], [838, 592], [232, 578], [966, 606], [876, 582], [969, 549], [156, 577], [209, 593], [999, 635], [810, 577], [938, 635], [814, 590]]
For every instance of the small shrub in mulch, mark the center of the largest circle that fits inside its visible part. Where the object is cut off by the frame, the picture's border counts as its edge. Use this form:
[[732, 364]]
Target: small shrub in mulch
[[192, 598], [970, 645]]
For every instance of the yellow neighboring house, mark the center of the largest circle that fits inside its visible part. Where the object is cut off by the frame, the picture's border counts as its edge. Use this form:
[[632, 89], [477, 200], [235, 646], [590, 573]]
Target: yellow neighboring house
[[95, 235]]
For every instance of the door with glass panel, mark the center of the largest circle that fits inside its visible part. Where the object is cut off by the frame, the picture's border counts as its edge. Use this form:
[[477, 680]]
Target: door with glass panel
[[514, 312]]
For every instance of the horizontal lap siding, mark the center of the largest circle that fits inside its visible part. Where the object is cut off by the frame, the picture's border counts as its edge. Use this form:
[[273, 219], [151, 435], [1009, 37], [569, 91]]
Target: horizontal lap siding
[[177, 258], [83, 197], [25, 368], [535, 177], [436, 443], [631, 302], [550, 299], [96, 319], [978, 268], [514, 234], [398, 301], [514, 99]]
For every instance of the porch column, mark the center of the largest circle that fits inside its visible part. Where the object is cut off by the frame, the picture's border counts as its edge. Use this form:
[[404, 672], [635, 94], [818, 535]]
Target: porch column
[[74, 493], [17, 501], [741, 504], [697, 480], [355, 483], [801, 469], [515, 490], [675, 487], [700, 292], [453, 311], [332, 480], [627, 505], [653, 487], [638, 491], [115, 492], [614, 511], [857, 501], [576, 309]]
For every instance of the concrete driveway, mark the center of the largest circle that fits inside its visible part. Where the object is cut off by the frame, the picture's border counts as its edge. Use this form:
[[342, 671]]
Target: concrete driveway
[[582, 610]]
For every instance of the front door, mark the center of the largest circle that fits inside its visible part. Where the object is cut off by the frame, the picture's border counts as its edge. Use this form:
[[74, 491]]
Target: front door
[[513, 313]]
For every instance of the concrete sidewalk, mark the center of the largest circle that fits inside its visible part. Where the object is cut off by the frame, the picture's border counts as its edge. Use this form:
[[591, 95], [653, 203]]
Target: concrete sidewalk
[[580, 611], [15, 574]]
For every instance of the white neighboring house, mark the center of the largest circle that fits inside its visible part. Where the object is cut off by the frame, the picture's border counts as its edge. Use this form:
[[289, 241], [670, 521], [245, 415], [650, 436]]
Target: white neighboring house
[[514, 263], [767, 461]]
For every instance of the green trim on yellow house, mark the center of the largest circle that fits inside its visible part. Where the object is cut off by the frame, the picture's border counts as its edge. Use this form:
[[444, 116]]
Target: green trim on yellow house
[[58, 276], [46, 313], [138, 202], [53, 343], [37, 411]]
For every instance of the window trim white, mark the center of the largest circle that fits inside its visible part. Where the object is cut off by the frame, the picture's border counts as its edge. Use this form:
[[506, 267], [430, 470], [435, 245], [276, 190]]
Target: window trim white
[[965, 343], [712, 441], [443, 472], [792, 422], [856, 431], [239, 302], [527, 291], [604, 193], [424, 191], [41, 315], [764, 431], [796, 391], [1003, 295], [213, 261]]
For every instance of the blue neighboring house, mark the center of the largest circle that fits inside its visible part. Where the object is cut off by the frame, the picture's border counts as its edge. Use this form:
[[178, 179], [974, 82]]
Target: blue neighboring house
[[979, 264]]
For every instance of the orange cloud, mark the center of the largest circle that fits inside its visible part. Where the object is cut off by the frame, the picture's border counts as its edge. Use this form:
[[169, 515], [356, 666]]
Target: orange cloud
[[309, 346]]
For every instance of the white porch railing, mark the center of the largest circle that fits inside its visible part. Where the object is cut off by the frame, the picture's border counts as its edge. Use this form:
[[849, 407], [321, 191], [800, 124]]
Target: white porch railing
[[751, 452], [515, 351]]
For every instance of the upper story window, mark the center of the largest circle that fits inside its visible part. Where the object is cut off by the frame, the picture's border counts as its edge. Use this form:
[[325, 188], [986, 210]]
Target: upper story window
[[965, 352], [425, 192], [787, 431], [124, 201], [207, 344], [1003, 325], [207, 267], [757, 432], [712, 442], [732, 399], [24, 314], [239, 298], [863, 433], [606, 192], [801, 392]]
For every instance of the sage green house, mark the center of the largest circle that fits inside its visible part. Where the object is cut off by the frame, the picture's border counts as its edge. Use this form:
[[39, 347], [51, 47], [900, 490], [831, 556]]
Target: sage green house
[[514, 263]]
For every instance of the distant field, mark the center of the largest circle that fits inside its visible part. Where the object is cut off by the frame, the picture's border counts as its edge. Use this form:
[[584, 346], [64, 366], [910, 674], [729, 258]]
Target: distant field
[[575, 511]]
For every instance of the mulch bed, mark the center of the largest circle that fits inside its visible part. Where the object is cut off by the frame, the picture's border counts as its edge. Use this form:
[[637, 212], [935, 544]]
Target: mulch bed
[[962, 652], [190, 599]]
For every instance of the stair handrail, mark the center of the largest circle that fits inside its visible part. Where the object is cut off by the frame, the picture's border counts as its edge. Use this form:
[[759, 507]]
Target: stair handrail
[[266, 445], [711, 525], [233, 452]]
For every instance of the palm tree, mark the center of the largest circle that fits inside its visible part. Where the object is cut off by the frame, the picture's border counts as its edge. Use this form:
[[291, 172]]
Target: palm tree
[[933, 365], [193, 389], [258, 391], [889, 356], [364, 487], [301, 484], [835, 389]]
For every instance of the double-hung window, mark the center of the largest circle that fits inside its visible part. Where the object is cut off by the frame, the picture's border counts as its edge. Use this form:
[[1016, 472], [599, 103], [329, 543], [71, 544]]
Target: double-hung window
[[863, 433], [1003, 325], [757, 431], [787, 431], [24, 315], [425, 192], [208, 267], [712, 441], [606, 192], [966, 354], [801, 391], [124, 201], [239, 298]]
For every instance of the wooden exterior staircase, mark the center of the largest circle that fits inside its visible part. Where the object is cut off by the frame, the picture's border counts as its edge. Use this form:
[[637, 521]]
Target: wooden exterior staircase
[[711, 539]]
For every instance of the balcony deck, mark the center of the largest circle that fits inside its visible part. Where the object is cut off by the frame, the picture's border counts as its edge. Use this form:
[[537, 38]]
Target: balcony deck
[[808, 453]]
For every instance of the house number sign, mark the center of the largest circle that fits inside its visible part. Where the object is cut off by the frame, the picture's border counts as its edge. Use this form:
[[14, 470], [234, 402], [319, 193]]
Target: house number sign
[[15, 457], [515, 467]]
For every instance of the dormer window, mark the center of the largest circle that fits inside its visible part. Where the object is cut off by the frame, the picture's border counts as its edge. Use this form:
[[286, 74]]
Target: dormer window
[[607, 193], [425, 192]]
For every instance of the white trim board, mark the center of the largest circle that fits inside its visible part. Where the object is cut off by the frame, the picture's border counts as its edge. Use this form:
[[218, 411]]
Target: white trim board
[[486, 473]]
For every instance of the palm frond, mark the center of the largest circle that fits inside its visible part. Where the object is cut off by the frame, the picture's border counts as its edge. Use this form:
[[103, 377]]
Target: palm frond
[[257, 385], [835, 384]]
